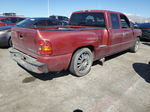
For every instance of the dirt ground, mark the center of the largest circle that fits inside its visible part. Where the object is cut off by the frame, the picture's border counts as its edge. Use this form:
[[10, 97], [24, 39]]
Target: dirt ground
[[121, 85]]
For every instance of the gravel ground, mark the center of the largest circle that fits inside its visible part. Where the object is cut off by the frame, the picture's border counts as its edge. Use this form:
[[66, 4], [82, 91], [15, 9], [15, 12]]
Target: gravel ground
[[121, 85]]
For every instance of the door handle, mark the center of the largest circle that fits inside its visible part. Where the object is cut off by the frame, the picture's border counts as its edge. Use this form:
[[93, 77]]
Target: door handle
[[123, 34]]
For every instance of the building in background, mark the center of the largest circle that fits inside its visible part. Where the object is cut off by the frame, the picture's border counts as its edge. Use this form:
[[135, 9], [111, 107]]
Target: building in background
[[10, 14]]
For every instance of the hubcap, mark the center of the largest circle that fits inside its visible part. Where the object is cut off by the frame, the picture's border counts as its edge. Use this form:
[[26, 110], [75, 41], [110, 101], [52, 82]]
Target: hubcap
[[83, 62]]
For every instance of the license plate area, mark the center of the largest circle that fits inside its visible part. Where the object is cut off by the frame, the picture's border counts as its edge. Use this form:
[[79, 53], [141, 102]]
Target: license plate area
[[19, 56]]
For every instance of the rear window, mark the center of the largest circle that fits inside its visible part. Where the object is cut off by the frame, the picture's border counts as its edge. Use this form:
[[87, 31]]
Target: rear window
[[88, 19]]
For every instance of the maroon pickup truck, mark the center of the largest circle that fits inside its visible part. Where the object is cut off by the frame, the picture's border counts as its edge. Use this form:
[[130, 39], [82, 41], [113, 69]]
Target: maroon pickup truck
[[91, 35]]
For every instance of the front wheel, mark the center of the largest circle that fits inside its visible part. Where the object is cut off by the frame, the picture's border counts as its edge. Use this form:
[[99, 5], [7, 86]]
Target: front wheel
[[135, 48], [81, 62]]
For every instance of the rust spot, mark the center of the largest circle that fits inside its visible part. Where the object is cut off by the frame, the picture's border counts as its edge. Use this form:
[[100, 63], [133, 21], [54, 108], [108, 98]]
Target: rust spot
[[29, 79]]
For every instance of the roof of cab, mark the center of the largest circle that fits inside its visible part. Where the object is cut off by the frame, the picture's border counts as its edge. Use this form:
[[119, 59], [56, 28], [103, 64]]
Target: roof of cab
[[105, 11]]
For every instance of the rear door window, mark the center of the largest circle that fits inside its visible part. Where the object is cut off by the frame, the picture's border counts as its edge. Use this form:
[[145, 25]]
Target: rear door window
[[115, 21]]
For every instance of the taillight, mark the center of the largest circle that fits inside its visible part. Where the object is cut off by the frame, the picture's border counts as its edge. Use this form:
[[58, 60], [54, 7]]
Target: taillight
[[44, 48]]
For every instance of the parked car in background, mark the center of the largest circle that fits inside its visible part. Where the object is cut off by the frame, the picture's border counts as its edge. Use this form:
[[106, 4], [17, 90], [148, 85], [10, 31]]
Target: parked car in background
[[136, 28], [91, 35], [5, 36], [40, 22], [5, 31], [145, 27], [10, 20], [61, 18]]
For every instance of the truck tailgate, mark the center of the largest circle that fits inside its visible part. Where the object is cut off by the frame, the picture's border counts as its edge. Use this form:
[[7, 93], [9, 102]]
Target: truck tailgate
[[24, 39]]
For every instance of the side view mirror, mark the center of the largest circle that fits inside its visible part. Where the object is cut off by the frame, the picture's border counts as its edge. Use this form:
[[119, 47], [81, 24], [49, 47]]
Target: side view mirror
[[136, 26]]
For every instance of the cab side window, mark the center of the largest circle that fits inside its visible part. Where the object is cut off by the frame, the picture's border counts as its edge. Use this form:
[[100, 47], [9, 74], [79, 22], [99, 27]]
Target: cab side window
[[124, 22], [115, 21]]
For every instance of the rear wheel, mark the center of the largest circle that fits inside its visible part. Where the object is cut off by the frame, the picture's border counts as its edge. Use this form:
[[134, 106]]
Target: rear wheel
[[135, 48], [81, 62]]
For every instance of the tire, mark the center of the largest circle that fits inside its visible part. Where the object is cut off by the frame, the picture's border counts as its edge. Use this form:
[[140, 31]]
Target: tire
[[10, 42], [135, 48], [81, 62]]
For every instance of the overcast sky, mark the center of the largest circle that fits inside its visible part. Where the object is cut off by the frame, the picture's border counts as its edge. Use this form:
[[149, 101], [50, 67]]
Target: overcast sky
[[39, 8]]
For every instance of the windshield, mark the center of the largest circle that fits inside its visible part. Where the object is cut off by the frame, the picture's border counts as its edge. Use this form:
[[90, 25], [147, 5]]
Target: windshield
[[27, 22], [88, 19]]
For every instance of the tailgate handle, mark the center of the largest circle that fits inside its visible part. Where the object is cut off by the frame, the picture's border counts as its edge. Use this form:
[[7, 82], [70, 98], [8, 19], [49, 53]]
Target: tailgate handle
[[20, 35]]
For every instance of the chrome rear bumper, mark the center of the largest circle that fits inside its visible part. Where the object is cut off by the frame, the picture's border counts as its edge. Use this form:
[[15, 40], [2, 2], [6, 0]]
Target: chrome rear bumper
[[28, 62]]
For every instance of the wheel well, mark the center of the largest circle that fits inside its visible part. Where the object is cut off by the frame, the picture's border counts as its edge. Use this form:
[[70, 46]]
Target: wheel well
[[88, 46]]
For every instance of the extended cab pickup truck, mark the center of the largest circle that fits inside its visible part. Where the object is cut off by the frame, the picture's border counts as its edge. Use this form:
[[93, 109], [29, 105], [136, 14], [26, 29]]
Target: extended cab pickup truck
[[91, 35]]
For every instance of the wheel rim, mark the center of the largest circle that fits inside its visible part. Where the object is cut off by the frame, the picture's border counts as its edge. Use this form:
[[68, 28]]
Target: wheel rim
[[83, 62]]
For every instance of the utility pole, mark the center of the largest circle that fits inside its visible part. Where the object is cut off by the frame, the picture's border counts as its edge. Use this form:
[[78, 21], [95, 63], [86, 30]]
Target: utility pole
[[48, 8]]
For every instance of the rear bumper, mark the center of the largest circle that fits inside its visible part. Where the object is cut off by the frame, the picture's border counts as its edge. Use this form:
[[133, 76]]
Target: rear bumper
[[41, 64], [28, 62]]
